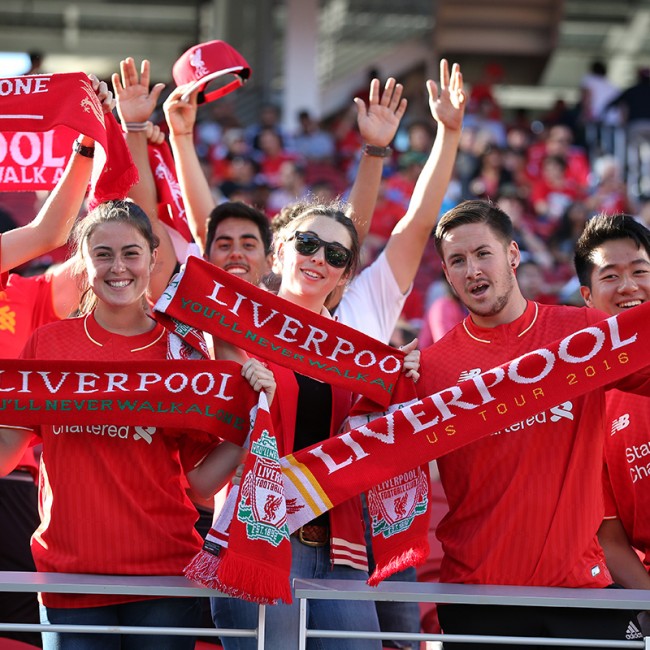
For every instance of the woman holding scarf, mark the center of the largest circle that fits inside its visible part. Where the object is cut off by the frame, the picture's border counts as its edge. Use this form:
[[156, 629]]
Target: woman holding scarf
[[112, 497], [317, 251]]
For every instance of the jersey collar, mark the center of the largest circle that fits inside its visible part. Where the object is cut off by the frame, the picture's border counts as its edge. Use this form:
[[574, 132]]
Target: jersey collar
[[517, 328]]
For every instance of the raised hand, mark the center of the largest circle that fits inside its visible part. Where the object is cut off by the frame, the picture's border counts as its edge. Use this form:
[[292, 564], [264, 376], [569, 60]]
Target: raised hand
[[180, 112], [448, 106], [259, 377], [379, 120], [411, 365], [135, 102], [154, 133], [104, 95]]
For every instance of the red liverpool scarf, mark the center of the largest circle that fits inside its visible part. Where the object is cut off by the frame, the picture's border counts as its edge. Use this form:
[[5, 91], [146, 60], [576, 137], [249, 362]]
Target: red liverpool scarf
[[58, 107], [252, 558], [388, 448], [171, 209], [212, 300], [204, 396]]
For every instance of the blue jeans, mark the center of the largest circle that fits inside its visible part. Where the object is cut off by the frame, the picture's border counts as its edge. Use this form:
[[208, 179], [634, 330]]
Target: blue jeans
[[394, 616], [282, 620], [169, 612]]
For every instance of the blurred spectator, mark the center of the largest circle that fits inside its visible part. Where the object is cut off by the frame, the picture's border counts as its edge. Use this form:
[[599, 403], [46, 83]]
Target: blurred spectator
[[323, 191], [292, 187], [596, 92], [642, 212], [514, 162], [231, 144], [272, 155], [347, 140], [242, 176], [269, 119], [444, 312], [493, 130], [35, 62], [609, 195], [490, 175], [386, 214], [400, 185], [311, 142], [552, 193], [533, 285], [531, 246], [482, 97], [559, 142], [420, 136], [562, 242], [634, 103]]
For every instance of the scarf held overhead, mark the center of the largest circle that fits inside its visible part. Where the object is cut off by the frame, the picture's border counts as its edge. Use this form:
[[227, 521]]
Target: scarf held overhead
[[40, 116], [272, 328], [207, 396]]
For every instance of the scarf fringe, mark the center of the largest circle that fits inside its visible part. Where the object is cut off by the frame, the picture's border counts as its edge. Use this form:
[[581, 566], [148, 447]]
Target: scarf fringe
[[255, 581], [203, 569], [413, 556]]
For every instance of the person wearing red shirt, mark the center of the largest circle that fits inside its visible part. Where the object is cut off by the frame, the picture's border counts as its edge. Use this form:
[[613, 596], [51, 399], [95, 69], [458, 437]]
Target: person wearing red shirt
[[128, 518], [524, 503], [612, 260]]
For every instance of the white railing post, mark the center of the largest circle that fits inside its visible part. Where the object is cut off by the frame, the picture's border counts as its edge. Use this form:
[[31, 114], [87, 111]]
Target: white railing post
[[302, 638]]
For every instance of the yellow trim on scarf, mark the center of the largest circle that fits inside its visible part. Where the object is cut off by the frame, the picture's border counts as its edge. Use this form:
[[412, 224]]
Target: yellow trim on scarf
[[291, 459]]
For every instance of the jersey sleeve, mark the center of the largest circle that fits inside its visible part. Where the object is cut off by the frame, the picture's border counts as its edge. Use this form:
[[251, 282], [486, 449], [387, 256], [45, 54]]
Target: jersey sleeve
[[193, 450]]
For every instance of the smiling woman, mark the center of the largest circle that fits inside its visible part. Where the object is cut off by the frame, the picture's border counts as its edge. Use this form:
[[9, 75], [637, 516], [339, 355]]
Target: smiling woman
[[317, 251], [107, 509]]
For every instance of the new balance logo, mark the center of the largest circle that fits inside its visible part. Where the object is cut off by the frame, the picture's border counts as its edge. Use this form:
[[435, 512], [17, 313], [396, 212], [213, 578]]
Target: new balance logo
[[564, 410], [633, 632], [469, 374], [144, 433], [620, 423]]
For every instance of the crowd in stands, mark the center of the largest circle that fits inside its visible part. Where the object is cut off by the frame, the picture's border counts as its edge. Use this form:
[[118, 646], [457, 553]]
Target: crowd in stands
[[530, 187], [542, 172]]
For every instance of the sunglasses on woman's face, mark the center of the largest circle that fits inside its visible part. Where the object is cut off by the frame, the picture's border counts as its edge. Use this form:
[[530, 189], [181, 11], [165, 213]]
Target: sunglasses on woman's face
[[307, 243]]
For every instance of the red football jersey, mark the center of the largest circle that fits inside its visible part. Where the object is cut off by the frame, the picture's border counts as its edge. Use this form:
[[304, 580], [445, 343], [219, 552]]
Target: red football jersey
[[627, 476], [524, 503], [111, 497]]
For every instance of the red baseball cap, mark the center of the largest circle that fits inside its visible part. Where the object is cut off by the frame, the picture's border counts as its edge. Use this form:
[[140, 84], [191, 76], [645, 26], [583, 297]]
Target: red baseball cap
[[206, 61]]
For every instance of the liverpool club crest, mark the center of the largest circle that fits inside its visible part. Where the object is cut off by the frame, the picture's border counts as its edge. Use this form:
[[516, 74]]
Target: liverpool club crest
[[395, 503], [262, 506]]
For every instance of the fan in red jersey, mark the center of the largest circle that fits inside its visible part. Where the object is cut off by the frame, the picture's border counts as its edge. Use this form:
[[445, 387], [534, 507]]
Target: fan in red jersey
[[612, 261], [525, 503]]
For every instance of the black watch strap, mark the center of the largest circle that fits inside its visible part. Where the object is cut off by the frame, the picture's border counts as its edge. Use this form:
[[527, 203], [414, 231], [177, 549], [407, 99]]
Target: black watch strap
[[83, 150]]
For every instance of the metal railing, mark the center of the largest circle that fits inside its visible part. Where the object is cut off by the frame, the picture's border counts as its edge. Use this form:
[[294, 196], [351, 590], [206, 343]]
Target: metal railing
[[304, 590], [154, 586], [427, 592]]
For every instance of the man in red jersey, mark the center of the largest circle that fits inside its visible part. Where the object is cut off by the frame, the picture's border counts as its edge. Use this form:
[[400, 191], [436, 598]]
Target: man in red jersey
[[526, 502], [612, 259]]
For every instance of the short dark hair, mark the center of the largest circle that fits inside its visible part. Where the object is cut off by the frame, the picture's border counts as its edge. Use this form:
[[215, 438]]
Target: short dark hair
[[474, 211], [603, 228], [238, 210]]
